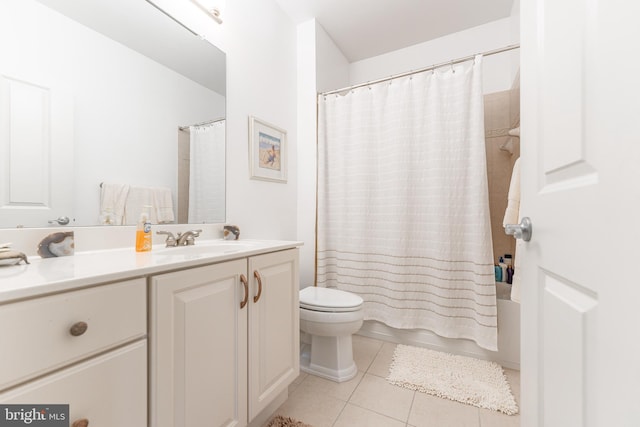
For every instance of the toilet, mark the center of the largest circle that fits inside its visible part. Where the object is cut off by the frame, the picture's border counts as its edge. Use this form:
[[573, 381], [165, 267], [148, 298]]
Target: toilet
[[329, 317]]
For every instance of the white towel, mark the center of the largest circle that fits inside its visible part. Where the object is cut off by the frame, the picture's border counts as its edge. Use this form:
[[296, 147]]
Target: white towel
[[517, 273], [512, 216], [163, 205], [138, 198], [512, 213], [113, 199]]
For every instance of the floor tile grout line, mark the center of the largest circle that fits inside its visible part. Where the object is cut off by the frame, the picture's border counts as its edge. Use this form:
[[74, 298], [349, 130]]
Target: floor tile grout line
[[378, 413], [339, 413], [413, 399]]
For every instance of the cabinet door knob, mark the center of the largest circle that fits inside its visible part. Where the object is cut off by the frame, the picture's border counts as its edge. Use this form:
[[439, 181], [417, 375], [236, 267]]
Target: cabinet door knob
[[78, 329], [245, 282], [259, 279], [80, 423]]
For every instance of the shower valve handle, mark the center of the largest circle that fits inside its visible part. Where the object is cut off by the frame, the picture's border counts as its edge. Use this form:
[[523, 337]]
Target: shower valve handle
[[520, 231]]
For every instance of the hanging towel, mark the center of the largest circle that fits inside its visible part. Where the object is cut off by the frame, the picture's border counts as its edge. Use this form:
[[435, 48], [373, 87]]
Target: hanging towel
[[138, 198], [512, 213], [517, 273], [113, 198], [512, 216], [163, 205]]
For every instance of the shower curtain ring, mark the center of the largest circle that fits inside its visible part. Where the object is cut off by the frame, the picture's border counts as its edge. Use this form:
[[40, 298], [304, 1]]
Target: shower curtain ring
[[451, 65]]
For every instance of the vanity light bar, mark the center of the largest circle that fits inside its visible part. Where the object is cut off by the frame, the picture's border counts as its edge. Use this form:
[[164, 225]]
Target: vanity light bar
[[210, 9]]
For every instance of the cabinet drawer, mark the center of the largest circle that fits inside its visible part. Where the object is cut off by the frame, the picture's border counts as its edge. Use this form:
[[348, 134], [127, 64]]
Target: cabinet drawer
[[109, 390], [36, 334]]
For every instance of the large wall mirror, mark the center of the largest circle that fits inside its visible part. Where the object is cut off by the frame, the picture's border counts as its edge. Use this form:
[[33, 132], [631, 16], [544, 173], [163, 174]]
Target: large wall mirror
[[107, 106]]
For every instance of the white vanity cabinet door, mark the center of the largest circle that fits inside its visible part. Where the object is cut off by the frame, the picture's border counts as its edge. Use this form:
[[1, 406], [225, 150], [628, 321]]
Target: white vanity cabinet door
[[107, 390], [198, 339], [274, 331]]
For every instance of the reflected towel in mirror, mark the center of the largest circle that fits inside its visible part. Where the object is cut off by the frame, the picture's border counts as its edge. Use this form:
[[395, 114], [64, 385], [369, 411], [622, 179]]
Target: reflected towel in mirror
[[113, 199]]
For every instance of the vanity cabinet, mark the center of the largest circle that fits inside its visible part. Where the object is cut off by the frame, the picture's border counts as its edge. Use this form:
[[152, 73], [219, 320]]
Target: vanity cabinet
[[224, 340], [85, 348]]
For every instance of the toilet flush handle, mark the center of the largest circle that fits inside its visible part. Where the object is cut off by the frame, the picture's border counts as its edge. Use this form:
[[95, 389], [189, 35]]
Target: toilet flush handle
[[259, 279]]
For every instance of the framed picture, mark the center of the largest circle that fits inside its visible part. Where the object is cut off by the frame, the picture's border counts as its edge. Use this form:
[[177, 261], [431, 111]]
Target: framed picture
[[267, 151]]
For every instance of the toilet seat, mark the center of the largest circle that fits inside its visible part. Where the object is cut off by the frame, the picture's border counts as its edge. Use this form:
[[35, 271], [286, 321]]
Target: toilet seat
[[329, 300]]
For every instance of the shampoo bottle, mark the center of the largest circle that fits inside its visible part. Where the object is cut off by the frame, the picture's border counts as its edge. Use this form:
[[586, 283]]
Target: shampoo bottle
[[509, 275], [143, 232], [503, 267]]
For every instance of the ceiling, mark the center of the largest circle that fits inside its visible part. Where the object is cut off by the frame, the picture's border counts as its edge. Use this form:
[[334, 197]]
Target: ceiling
[[366, 28]]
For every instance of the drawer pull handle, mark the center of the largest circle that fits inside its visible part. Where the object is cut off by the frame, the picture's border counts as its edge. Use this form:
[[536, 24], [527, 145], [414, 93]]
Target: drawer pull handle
[[76, 330], [80, 423], [257, 276], [245, 282]]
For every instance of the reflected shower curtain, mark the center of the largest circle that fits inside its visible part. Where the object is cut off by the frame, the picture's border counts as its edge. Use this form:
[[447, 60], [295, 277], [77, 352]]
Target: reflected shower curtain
[[206, 174], [403, 209]]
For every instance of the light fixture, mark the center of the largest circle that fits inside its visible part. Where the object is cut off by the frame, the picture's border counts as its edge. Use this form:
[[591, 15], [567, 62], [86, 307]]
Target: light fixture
[[213, 8]]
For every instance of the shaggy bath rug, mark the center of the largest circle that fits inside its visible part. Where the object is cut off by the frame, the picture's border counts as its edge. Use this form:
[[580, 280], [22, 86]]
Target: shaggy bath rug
[[280, 421], [464, 379]]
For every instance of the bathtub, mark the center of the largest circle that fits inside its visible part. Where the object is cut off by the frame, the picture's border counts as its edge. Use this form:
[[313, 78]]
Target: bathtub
[[508, 354]]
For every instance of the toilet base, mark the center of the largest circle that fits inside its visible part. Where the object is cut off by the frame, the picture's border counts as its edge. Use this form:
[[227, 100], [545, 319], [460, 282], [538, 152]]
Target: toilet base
[[329, 357]]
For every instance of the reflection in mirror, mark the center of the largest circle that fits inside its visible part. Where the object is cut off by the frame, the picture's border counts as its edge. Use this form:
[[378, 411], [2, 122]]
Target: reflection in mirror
[[103, 92]]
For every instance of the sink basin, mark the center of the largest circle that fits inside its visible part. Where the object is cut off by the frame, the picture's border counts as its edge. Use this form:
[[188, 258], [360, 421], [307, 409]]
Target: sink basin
[[211, 247]]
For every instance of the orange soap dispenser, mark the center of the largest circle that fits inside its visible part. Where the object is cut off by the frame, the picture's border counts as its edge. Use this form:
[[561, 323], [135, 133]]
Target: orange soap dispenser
[[143, 232]]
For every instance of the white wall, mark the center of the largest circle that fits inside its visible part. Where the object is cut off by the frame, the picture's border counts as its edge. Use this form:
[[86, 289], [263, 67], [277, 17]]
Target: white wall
[[260, 42], [514, 26], [321, 65], [496, 70], [261, 82], [332, 66], [307, 77]]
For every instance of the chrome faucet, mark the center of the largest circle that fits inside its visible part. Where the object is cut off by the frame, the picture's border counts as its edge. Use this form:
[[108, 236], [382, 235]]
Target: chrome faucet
[[171, 240], [188, 237]]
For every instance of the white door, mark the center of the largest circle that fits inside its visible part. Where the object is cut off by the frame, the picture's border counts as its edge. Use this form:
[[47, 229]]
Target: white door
[[274, 328], [36, 127], [198, 341], [581, 188]]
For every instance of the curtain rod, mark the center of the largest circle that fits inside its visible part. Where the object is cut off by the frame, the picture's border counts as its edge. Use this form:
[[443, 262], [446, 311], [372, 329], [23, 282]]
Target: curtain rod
[[422, 70], [208, 122]]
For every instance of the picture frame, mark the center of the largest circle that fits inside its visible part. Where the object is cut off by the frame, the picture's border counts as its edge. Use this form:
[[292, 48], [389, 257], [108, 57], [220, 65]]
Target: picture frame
[[267, 151]]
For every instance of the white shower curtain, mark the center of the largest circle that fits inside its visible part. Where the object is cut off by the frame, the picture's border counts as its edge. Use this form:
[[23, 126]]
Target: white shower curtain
[[403, 210], [206, 175]]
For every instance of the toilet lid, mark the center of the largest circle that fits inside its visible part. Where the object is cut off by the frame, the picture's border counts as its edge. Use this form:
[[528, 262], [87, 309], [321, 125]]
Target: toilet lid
[[331, 300]]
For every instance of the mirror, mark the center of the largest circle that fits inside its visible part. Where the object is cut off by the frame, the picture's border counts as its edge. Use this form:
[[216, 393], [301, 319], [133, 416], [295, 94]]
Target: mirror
[[101, 95]]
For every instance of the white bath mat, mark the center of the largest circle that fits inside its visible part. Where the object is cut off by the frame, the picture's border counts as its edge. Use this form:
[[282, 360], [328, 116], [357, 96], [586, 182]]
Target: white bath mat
[[464, 379]]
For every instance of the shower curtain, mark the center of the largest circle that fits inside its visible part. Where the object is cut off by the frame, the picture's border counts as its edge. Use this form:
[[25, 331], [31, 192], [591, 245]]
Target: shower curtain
[[206, 175], [403, 210]]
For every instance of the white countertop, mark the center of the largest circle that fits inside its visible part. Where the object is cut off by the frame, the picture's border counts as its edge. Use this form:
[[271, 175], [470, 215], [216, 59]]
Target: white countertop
[[45, 276]]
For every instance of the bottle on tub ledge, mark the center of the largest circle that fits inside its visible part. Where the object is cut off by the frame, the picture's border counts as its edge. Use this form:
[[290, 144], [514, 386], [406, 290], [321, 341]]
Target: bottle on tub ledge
[[509, 274], [508, 260], [503, 269], [143, 231]]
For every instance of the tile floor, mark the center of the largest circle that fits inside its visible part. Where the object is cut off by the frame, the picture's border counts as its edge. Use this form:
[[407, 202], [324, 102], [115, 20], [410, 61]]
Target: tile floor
[[369, 401]]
